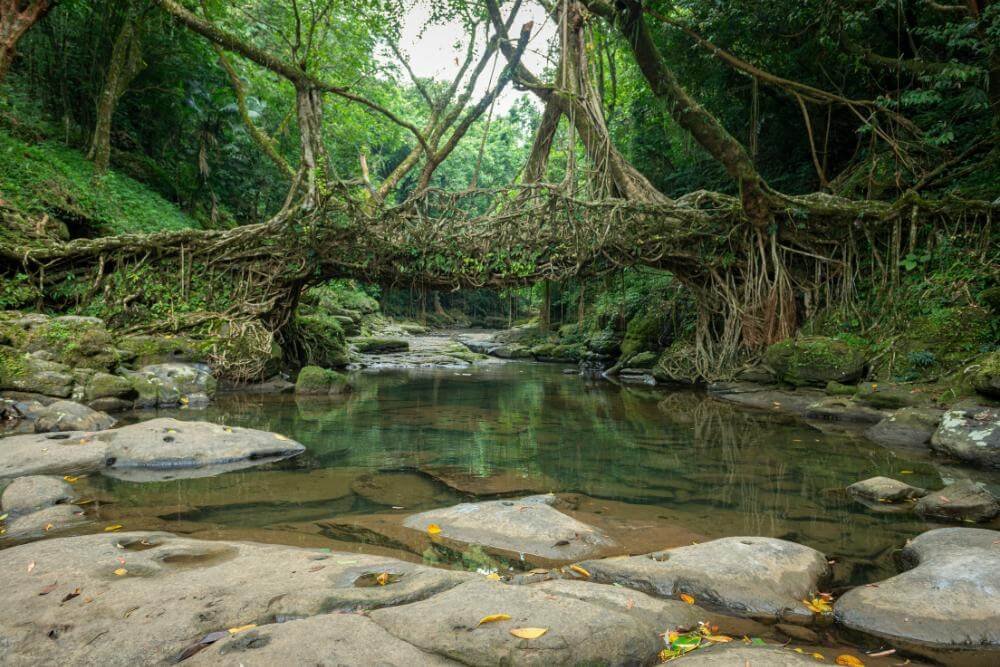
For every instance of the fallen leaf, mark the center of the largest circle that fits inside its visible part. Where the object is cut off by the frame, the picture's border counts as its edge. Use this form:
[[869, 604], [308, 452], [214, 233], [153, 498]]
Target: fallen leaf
[[433, 529], [719, 639], [71, 479], [48, 589], [70, 596], [112, 528], [819, 604], [528, 633], [121, 572], [819, 656], [849, 661], [31, 566], [687, 598], [382, 579], [493, 576], [48, 527], [579, 570], [538, 570], [3, 516], [493, 618], [242, 628]]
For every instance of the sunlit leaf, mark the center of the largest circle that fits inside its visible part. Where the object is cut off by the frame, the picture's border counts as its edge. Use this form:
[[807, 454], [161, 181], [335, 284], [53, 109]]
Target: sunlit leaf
[[849, 661], [242, 628], [71, 479], [493, 576], [113, 527], [493, 618], [433, 529], [687, 598], [529, 633], [579, 570], [121, 572]]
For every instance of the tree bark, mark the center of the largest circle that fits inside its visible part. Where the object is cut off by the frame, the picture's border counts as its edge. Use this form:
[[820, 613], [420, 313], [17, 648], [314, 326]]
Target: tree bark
[[14, 22], [544, 311], [125, 64], [313, 163]]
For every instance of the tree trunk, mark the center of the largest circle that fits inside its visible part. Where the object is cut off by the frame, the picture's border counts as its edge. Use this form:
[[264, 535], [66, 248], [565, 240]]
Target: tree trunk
[[438, 308], [126, 63], [544, 312], [14, 22], [313, 164]]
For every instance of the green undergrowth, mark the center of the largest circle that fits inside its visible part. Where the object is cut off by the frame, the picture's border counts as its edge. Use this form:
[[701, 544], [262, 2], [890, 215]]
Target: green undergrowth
[[50, 179]]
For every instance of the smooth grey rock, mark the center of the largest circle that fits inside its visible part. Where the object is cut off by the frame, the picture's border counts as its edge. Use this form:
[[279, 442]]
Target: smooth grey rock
[[741, 655], [70, 416], [586, 624], [907, 427], [47, 521], [748, 576], [885, 489], [971, 434], [33, 492], [843, 409], [761, 398], [949, 600], [184, 379], [170, 443], [111, 404], [964, 500], [327, 639], [42, 453], [528, 526], [174, 591]]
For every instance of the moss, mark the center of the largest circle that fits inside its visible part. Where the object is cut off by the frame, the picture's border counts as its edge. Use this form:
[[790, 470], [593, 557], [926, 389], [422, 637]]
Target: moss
[[986, 375], [816, 360], [145, 350], [75, 341], [12, 365], [381, 345], [322, 341], [316, 381], [642, 360], [557, 352], [940, 342], [835, 388], [604, 342], [643, 334]]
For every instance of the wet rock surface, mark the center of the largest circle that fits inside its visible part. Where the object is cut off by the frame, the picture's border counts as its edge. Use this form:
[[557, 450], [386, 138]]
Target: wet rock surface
[[528, 526], [70, 416], [34, 492], [748, 576], [906, 427], [37, 454], [949, 600], [885, 489], [971, 434], [763, 398], [585, 624], [843, 409], [170, 592], [964, 500], [43, 522], [498, 483], [740, 655]]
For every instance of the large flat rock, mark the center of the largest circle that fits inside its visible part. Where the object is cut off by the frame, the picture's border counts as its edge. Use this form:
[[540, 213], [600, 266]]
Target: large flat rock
[[144, 597], [528, 526], [950, 600], [34, 492], [759, 577], [44, 453], [585, 624]]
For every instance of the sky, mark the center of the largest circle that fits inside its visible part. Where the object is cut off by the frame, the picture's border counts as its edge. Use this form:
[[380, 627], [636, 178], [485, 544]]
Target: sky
[[432, 50]]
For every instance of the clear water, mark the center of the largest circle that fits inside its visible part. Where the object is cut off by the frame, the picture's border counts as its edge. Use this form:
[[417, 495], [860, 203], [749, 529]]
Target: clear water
[[672, 466]]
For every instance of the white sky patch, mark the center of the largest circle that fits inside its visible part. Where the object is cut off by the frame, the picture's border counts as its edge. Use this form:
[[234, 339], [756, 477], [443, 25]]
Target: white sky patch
[[436, 51]]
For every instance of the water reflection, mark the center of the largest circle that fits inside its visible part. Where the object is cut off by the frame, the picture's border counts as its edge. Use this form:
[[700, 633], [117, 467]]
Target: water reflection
[[420, 439]]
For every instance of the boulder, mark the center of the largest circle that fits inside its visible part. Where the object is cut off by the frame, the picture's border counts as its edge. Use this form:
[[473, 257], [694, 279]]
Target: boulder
[[170, 592], [584, 624], [111, 404], [528, 527], [815, 361], [316, 381], [104, 385], [34, 492], [843, 409], [78, 342], [885, 489], [70, 416], [888, 396], [145, 350], [190, 381], [380, 345], [907, 427], [738, 654], [971, 434], [46, 521], [169, 443], [759, 577], [29, 373], [986, 375], [772, 400], [964, 500], [948, 601]]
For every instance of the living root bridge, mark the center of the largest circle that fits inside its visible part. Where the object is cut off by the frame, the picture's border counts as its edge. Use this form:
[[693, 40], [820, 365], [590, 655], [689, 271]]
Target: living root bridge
[[750, 283]]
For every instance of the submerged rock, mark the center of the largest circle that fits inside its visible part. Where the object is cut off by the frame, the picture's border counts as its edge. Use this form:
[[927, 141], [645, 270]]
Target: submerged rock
[[962, 501], [885, 489], [46, 521], [907, 427], [170, 592], [529, 527], [971, 434], [584, 624], [843, 409], [815, 361], [497, 483], [749, 576], [950, 600]]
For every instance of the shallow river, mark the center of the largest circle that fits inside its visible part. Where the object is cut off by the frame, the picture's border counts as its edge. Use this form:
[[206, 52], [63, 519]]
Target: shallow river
[[660, 467]]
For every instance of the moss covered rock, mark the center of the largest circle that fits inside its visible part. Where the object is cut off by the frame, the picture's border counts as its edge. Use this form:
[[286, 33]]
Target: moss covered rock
[[986, 376], [942, 342], [322, 341], [146, 350], [316, 381], [80, 342], [105, 385], [29, 373], [815, 361], [643, 334], [560, 353], [381, 345], [605, 343], [642, 360]]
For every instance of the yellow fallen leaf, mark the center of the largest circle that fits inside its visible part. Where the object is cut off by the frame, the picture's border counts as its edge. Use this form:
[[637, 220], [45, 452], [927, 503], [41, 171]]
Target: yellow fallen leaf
[[31, 566], [687, 598], [242, 628], [529, 633], [819, 656], [719, 639], [112, 528], [184, 400], [433, 529], [493, 576], [278, 436], [70, 478], [48, 527], [493, 618], [382, 579], [849, 661], [3, 516], [579, 570], [121, 572]]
